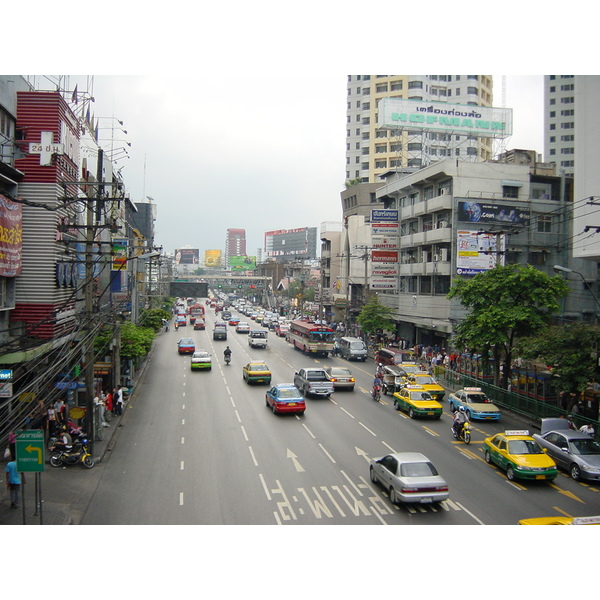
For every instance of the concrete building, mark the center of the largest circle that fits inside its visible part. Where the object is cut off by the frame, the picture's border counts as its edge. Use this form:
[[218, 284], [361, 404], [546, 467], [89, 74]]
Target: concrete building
[[458, 218], [371, 151]]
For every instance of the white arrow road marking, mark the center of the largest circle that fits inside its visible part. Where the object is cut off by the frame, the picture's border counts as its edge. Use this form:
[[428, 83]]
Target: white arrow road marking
[[299, 467]]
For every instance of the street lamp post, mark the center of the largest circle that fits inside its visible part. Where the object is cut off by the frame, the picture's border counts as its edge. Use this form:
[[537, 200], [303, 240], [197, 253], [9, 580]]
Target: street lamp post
[[561, 269]]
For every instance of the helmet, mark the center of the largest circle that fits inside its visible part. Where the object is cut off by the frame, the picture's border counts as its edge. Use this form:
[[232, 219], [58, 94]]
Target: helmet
[[461, 408]]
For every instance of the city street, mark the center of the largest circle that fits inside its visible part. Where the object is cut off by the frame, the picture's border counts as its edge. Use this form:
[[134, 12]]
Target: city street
[[202, 448]]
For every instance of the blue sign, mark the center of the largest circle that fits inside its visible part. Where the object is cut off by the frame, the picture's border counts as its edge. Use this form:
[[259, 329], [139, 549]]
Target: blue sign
[[6, 374]]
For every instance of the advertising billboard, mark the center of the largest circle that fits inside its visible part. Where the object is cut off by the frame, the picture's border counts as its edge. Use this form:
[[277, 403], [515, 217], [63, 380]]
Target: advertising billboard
[[478, 252], [492, 213], [212, 258], [300, 242], [187, 256], [479, 121], [242, 263], [11, 228]]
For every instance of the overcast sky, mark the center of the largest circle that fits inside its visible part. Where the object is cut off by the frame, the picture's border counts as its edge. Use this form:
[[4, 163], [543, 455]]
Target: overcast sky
[[238, 118], [244, 150]]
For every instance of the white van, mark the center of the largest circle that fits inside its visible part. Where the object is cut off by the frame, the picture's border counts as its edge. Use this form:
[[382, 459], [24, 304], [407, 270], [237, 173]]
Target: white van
[[353, 348], [257, 338]]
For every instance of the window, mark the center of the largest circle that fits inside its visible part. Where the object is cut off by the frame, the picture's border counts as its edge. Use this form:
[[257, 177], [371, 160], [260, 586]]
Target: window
[[510, 191], [381, 164], [415, 85], [382, 87], [544, 223], [395, 86]]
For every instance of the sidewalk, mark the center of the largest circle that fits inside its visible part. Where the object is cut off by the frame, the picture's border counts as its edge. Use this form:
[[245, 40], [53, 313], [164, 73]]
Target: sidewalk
[[64, 491]]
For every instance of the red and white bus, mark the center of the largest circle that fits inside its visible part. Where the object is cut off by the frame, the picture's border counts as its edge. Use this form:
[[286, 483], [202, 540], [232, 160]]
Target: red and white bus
[[196, 310], [311, 338]]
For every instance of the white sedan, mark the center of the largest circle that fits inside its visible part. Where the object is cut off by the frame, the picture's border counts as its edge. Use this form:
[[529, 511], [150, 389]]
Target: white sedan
[[242, 327]]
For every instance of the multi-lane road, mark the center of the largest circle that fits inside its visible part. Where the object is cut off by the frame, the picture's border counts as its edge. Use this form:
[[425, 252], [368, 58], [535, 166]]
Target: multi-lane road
[[202, 448]]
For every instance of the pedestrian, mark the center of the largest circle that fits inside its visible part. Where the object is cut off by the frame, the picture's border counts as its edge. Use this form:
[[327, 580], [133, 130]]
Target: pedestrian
[[118, 400], [61, 411], [51, 416], [13, 483], [110, 409], [587, 428]]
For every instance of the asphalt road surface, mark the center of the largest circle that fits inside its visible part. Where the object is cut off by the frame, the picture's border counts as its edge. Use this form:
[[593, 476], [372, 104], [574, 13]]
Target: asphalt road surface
[[202, 448]]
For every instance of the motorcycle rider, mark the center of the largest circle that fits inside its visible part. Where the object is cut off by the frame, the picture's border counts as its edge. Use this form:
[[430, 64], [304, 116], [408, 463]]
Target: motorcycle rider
[[227, 354], [460, 418], [377, 383]]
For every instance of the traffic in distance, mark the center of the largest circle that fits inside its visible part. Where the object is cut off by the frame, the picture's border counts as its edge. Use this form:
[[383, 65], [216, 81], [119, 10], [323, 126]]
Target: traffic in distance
[[404, 478]]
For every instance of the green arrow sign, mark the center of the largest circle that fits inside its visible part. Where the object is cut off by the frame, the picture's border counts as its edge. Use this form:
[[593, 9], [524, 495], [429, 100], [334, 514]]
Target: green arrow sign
[[30, 451]]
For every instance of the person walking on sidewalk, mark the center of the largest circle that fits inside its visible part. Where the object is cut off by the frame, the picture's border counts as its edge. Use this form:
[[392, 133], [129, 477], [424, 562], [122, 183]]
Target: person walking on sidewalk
[[13, 483], [118, 399]]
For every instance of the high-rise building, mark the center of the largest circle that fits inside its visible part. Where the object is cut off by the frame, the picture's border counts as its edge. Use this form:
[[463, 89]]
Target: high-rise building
[[235, 244], [559, 122], [372, 151], [571, 130]]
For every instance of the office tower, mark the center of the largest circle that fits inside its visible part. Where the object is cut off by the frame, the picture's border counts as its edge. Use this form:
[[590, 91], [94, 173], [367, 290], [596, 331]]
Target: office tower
[[235, 244], [371, 152]]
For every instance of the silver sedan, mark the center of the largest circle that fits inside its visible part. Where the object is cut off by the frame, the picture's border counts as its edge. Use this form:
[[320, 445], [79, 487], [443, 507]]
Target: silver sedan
[[409, 477], [341, 378], [574, 451]]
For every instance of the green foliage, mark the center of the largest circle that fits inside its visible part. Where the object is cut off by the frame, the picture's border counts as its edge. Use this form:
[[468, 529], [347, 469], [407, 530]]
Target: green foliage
[[505, 304], [569, 350], [350, 182], [135, 341], [153, 317], [375, 316]]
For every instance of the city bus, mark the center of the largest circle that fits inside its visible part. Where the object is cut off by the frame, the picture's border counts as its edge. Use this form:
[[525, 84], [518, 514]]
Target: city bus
[[311, 338]]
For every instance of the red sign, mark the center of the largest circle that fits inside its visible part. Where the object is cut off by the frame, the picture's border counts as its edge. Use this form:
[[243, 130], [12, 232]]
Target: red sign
[[11, 237], [384, 256]]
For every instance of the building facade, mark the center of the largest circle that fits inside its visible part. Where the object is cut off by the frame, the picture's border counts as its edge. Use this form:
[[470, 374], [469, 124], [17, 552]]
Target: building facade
[[371, 151]]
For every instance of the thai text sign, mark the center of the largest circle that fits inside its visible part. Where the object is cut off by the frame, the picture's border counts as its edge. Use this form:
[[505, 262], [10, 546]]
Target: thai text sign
[[480, 121]]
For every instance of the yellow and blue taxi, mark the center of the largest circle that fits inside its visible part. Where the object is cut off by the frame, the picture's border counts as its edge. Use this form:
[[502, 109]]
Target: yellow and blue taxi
[[519, 455], [477, 405], [256, 372], [417, 401], [429, 383]]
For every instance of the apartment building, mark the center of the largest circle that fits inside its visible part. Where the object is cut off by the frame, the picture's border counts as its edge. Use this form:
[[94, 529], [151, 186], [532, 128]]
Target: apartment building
[[371, 151]]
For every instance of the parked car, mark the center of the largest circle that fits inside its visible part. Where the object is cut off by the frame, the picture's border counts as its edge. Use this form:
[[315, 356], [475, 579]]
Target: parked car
[[409, 477], [186, 346], [313, 381], [201, 360], [575, 451], [341, 378]]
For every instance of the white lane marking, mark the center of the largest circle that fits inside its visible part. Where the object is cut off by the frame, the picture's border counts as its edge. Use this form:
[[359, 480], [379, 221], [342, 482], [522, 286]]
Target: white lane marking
[[350, 415], [181, 466], [388, 446], [244, 432], [470, 513], [182, 440], [180, 498], [264, 484], [363, 425], [253, 457], [309, 431], [329, 455]]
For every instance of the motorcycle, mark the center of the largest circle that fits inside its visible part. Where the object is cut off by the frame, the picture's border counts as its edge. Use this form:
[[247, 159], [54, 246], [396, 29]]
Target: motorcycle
[[71, 455], [227, 359], [465, 434], [74, 431], [376, 393]]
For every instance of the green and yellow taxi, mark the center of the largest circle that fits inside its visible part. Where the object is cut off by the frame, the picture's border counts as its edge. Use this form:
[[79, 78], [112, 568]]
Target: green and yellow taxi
[[417, 401], [519, 455], [427, 382], [256, 372]]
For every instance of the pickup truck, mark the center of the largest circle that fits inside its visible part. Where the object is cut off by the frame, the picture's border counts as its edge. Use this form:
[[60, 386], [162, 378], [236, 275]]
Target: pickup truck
[[313, 381], [257, 338]]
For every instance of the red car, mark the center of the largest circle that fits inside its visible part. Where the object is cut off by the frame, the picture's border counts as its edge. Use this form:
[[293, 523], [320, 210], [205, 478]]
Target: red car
[[199, 324], [285, 398], [186, 346]]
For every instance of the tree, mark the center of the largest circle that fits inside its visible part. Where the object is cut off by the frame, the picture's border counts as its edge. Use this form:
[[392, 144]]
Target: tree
[[570, 351], [375, 316], [505, 303]]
